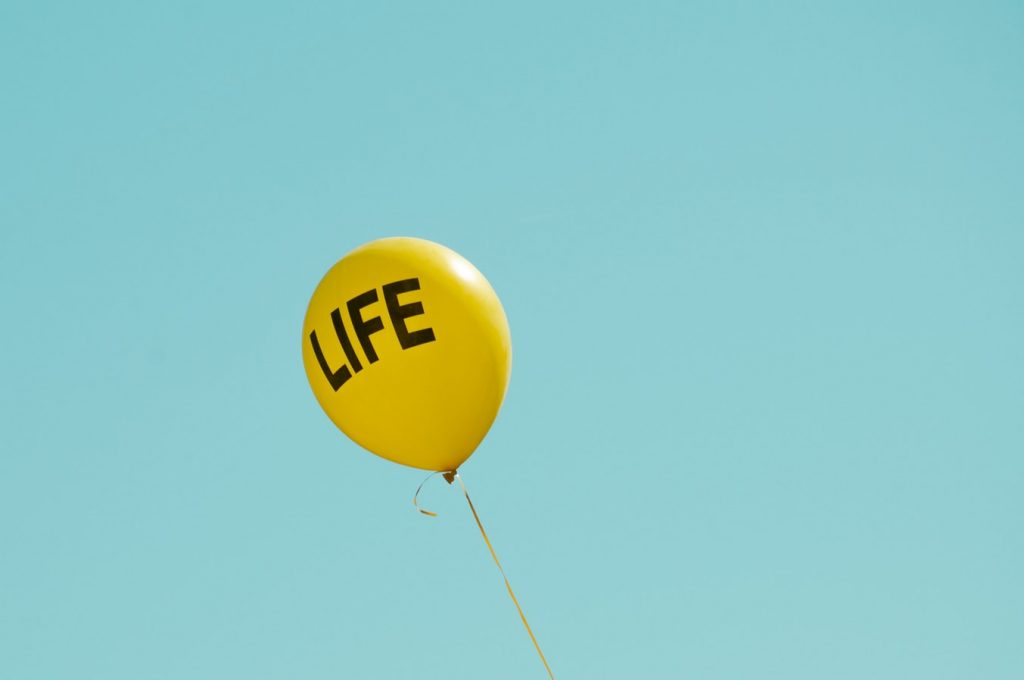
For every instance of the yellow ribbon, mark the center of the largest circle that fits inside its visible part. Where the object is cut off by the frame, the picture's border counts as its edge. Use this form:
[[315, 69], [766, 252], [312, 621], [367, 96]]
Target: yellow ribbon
[[416, 496], [450, 477]]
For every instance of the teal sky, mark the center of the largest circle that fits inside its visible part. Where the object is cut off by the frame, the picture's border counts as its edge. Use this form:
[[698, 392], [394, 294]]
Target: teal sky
[[763, 265]]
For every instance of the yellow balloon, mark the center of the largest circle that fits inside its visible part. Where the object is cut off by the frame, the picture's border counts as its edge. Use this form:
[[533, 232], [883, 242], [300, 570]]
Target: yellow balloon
[[407, 349]]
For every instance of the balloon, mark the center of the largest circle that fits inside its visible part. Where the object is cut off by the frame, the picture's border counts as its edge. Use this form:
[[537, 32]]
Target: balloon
[[407, 349]]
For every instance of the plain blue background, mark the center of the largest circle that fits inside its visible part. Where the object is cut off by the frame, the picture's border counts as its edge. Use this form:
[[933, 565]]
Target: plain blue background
[[764, 271]]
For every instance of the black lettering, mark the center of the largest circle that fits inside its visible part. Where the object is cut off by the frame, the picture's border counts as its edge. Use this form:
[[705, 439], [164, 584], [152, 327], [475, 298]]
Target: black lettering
[[399, 313], [336, 378], [364, 328], [346, 344]]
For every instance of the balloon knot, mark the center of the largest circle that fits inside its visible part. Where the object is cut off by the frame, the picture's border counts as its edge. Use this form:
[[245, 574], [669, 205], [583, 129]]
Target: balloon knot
[[450, 476]]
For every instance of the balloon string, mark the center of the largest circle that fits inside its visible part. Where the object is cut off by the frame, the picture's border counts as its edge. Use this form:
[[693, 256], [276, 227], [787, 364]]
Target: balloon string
[[450, 477], [416, 496]]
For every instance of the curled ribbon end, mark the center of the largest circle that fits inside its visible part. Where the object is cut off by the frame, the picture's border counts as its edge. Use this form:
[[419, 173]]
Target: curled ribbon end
[[416, 496]]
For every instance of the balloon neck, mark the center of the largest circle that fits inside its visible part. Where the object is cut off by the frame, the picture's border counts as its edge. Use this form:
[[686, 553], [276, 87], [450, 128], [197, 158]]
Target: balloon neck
[[450, 476]]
